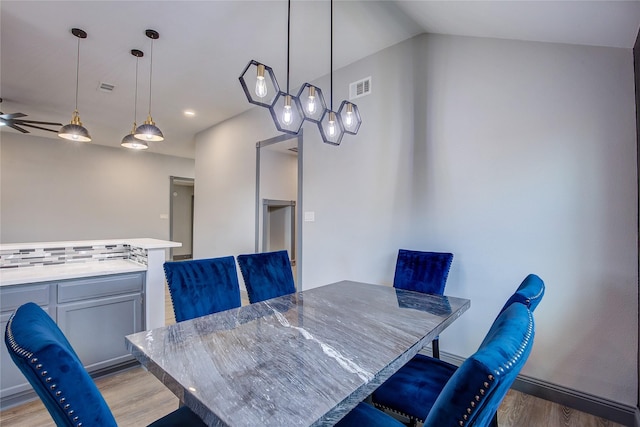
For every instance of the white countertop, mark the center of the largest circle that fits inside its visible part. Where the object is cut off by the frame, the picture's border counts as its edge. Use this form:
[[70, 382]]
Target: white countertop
[[144, 243], [48, 273]]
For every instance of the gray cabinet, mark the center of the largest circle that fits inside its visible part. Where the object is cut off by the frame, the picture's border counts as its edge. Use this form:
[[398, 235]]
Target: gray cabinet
[[95, 314], [12, 382]]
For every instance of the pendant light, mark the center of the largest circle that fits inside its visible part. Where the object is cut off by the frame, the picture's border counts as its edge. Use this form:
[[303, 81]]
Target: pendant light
[[149, 131], [286, 111], [330, 126], [74, 131], [130, 141]]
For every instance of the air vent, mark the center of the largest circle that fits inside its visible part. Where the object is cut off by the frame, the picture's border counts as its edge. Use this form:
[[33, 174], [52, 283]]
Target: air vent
[[360, 88], [106, 87]]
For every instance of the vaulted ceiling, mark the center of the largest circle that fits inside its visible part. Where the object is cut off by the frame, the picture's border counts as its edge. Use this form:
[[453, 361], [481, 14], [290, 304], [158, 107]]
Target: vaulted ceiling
[[204, 46]]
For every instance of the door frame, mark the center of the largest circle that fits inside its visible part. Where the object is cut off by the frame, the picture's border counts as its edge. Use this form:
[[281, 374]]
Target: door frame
[[172, 187], [298, 239]]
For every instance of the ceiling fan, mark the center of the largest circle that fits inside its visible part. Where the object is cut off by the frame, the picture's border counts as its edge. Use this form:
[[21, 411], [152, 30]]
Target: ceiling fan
[[14, 121]]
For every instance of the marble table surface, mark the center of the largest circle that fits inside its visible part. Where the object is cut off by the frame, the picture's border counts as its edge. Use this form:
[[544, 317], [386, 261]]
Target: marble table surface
[[304, 359]]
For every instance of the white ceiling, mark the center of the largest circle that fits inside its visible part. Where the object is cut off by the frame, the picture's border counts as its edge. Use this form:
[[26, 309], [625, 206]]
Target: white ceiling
[[205, 45]]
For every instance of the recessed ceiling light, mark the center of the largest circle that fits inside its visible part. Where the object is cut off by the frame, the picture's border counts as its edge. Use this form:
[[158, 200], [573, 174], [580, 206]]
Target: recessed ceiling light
[[189, 113]]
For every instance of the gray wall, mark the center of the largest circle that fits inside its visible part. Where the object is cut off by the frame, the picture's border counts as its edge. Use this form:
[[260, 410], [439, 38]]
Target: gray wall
[[53, 190], [518, 157]]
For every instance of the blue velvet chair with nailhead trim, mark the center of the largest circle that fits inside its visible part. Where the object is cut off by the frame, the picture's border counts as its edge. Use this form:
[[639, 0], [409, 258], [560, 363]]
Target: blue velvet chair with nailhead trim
[[424, 370], [425, 272], [266, 275], [529, 293], [45, 357], [202, 286], [471, 396]]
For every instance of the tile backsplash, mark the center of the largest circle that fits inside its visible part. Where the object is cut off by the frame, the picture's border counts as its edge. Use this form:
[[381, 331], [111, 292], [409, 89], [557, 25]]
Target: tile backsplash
[[70, 255]]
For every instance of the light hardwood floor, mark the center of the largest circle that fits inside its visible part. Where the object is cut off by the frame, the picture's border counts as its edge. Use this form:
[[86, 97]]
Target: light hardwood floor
[[137, 398]]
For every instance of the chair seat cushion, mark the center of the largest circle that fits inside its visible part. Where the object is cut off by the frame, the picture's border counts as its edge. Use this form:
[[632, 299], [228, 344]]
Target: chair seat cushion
[[366, 415], [182, 417], [415, 387]]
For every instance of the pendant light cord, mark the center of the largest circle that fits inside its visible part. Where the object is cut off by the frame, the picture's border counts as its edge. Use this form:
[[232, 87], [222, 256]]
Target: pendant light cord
[[150, 75], [135, 98], [331, 60], [288, 40], [77, 72]]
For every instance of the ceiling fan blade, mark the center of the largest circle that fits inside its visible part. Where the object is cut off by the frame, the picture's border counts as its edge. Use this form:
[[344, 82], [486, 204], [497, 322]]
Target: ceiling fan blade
[[26, 122], [18, 128], [38, 127], [12, 116]]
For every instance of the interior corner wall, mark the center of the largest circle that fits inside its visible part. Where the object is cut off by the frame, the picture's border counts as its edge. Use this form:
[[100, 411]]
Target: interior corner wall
[[52, 190], [525, 162]]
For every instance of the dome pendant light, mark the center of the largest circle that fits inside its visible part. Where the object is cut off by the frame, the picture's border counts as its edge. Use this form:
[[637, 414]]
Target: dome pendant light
[[74, 131], [130, 141], [149, 131]]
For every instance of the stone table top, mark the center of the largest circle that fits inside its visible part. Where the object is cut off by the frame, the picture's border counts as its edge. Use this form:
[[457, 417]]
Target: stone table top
[[304, 359]]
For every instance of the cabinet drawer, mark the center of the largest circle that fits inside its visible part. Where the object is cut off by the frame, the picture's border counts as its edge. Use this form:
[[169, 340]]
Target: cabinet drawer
[[12, 297], [96, 287]]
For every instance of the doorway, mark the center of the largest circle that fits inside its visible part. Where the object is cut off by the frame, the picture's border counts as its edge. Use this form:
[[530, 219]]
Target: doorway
[[278, 193], [181, 216]]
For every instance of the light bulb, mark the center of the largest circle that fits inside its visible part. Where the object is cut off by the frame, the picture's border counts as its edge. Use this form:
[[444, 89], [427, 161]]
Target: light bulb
[[149, 136], [75, 136], [287, 114], [332, 124], [348, 119], [261, 84], [311, 101]]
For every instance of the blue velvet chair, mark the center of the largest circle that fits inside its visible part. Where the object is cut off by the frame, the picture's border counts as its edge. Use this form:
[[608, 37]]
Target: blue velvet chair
[[425, 272], [529, 293], [471, 396], [429, 371], [45, 357], [202, 286], [266, 275]]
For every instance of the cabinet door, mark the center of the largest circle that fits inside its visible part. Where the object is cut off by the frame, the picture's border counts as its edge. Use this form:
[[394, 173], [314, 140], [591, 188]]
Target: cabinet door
[[96, 328], [12, 382]]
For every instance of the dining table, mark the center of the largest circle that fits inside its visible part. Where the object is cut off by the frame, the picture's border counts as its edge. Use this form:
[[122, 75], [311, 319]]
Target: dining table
[[303, 359]]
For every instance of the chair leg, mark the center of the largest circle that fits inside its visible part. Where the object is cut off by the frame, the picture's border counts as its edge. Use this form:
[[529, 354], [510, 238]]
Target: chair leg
[[494, 420], [435, 347]]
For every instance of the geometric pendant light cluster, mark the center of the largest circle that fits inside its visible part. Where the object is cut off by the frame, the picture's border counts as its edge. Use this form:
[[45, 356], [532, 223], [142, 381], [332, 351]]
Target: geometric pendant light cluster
[[288, 111]]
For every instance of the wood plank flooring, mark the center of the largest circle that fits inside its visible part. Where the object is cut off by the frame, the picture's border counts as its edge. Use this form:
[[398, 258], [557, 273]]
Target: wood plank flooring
[[137, 398]]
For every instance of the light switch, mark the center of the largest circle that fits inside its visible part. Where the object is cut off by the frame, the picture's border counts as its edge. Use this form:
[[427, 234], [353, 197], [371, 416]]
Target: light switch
[[309, 216]]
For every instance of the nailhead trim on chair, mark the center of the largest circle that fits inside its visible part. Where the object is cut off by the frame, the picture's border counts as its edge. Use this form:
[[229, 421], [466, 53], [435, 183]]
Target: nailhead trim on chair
[[25, 354], [501, 370]]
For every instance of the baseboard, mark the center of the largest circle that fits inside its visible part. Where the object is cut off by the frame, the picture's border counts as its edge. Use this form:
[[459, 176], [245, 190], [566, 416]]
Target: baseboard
[[584, 402]]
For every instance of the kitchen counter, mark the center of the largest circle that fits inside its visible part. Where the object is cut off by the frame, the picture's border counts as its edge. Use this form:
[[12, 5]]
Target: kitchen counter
[[46, 273], [39, 262]]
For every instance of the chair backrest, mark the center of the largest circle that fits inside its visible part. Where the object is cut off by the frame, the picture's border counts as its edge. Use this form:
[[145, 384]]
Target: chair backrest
[[45, 357], [474, 392], [422, 271], [202, 286], [267, 275], [529, 293]]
